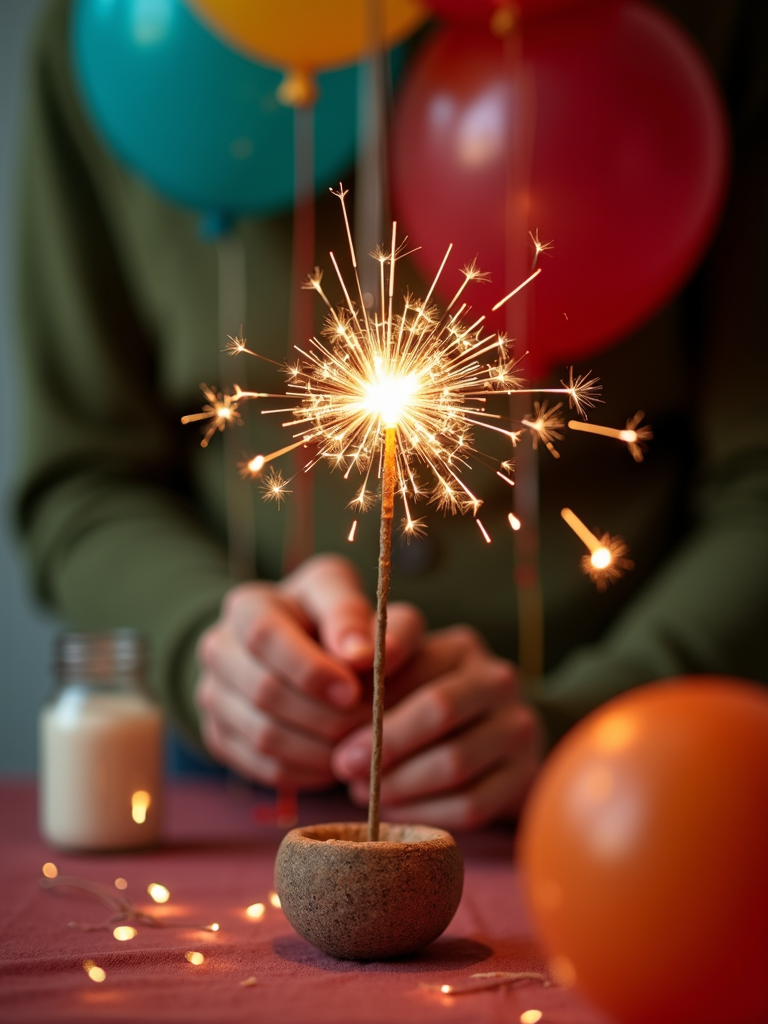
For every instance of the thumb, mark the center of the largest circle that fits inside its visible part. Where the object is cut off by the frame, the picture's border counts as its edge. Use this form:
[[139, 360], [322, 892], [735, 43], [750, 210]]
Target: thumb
[[329, 590]]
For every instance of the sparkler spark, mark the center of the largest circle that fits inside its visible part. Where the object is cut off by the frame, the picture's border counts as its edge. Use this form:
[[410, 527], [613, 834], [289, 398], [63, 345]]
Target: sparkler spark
[[274, 487], [605, 562], [221, 410], [425, 374], [634, 436]]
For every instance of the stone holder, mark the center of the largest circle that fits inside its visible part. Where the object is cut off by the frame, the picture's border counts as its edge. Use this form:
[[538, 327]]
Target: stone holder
[[361, 900]]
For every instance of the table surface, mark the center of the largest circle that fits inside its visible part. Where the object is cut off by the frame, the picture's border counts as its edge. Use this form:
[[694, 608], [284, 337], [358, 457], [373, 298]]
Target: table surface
[[216, 860]]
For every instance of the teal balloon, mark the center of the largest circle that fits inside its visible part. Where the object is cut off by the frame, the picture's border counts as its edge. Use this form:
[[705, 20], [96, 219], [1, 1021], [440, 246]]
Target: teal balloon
[[195, 119]]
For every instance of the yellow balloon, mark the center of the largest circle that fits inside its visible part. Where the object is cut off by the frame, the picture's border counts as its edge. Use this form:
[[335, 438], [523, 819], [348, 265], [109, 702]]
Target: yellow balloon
[[306, 36]]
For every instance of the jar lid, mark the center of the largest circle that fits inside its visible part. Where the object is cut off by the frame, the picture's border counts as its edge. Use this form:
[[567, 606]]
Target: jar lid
[[100, 655]]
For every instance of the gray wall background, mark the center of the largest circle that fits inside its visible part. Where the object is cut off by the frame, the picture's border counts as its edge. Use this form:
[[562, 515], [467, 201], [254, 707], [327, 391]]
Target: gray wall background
[[25, 631]]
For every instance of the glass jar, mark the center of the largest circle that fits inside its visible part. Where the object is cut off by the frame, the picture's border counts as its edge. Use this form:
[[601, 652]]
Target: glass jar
[[100, 746]]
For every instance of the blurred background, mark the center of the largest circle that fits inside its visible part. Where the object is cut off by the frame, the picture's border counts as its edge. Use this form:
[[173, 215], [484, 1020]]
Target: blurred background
[[26, 631]]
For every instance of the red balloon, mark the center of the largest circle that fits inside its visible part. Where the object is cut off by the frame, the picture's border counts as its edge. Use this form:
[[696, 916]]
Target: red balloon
[[643, 848], [602, 129], [483, 10]]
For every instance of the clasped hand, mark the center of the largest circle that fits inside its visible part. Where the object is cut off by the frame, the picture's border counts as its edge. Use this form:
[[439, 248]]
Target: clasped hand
[[281, 701]]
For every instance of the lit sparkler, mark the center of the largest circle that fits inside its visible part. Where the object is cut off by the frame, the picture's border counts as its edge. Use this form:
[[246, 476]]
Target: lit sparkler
[[392, 393], [605, 562]]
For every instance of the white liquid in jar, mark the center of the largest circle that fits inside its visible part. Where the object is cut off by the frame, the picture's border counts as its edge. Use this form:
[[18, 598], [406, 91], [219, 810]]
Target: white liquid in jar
[[101, 763]]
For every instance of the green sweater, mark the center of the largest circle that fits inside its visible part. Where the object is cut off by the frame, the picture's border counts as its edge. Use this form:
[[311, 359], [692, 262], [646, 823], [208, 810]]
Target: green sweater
[[123, 514]]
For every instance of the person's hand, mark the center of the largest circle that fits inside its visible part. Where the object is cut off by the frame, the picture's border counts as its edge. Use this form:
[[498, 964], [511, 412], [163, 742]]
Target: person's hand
[[279, 681], [459, 747]]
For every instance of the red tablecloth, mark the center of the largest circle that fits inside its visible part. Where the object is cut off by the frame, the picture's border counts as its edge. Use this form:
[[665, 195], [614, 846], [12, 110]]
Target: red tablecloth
[[216, 861]]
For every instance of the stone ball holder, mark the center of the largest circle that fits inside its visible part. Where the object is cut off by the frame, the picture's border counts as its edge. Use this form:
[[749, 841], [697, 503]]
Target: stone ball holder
[[361, 900]]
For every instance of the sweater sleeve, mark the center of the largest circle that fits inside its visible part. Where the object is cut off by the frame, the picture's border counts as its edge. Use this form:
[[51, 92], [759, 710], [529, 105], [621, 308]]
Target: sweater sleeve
[[706, 607], [104, 499]]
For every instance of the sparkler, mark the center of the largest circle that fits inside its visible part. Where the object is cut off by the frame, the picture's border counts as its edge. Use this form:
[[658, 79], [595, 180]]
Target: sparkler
[[392, 393]]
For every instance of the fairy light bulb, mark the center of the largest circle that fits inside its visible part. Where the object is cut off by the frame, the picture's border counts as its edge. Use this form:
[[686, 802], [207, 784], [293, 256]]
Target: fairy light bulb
[[140, 802], [194, 957], [159, 893], [255, 911], [124, 932], [94, 972], [50, 870]]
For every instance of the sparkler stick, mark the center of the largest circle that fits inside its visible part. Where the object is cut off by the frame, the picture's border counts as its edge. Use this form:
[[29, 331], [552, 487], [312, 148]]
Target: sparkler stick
[[388, 485]]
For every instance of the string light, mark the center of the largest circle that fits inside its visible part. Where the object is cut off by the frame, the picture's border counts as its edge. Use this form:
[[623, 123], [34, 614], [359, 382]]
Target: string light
[[530, 1016], [274, 899], [140, 802], [215, 927], [493, 979], [124, 932], [194, 957], [120, 883], [50, 870], [95, 973], [255, 911], [158, 892]]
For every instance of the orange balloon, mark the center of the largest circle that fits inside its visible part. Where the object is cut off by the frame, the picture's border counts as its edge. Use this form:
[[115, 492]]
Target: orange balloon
[[644, 853], [305, 36]]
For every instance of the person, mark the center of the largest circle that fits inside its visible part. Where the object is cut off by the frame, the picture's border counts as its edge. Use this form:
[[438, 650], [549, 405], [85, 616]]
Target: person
[[124, 516]]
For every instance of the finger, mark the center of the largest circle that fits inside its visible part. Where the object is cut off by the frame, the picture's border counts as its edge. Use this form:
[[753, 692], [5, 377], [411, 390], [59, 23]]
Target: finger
[[267, 736], [329, 590], [265, 690], [499, 793], [238, 755], [450, 765], [429, 713], [405, 632], [270, 631]]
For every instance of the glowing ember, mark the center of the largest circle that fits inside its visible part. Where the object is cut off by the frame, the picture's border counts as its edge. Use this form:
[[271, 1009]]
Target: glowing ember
[[605, 562], [634, 436], [159, 893]]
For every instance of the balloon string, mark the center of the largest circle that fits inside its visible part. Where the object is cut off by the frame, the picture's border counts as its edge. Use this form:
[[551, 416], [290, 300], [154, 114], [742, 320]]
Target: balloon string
[[299, 541], [238, 495], [371, 191], [519, 159]]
